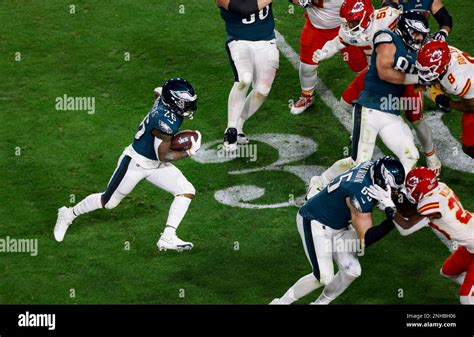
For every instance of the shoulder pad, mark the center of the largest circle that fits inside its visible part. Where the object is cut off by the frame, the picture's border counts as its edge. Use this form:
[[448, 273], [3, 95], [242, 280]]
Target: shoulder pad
[[382, 37]]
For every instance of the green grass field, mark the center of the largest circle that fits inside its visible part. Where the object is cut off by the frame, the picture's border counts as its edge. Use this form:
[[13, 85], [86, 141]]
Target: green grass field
[[50, 157]]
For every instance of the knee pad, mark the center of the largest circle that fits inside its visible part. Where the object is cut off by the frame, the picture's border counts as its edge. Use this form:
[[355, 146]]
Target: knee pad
[[246, 79], [263, 89], [186, 187], [326, 278], [353, 270]]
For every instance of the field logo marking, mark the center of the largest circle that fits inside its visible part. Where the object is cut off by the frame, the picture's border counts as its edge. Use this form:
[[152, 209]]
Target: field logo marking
[[291, 148]]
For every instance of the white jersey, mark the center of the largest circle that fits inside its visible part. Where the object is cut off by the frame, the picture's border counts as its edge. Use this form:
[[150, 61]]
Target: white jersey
[[456, 223], [324, 14], [460, 74], [383, 18]]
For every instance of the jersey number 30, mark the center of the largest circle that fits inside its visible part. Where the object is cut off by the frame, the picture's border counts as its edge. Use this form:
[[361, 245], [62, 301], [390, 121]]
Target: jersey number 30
[[262, 15]]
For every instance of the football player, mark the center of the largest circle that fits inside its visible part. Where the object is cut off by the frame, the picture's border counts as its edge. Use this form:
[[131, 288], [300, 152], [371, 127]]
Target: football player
[[324, 222], [442, 210], [149, 157], [322, 25], [435, 7], [254, 59], [391, 68], [360, 23], [454, 71]]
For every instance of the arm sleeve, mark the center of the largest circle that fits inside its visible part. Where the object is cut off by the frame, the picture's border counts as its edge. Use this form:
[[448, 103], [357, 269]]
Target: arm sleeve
[[443, 18], [419, 225], [376, 233]]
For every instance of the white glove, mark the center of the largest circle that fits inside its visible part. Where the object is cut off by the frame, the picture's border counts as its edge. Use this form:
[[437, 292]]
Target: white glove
[[442, 35], [320, 55], [195, 145], [304, 3], [384, 197]]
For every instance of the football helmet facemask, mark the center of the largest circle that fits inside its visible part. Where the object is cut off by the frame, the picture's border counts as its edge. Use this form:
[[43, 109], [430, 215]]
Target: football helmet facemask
[[179, 96]]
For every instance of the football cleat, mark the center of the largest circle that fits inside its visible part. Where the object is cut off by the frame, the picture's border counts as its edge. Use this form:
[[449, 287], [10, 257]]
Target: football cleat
[[276, 301], [65, 219], [242, 139], [315, 186], [303, 103], [173, 242], [230, 139], [434, 164]]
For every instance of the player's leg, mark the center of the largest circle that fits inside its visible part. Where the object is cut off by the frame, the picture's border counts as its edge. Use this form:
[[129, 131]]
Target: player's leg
[[169, 178], [306, 284], [468, 134], [456, 265], [466, 292], [349, 268], [311, 40], [459, 267], [364, 134], [414, 114], [317, 183], [267, 59], [397, 136], [241, 61], [367, 124], [354, 89], [125, 177], [355, 58]]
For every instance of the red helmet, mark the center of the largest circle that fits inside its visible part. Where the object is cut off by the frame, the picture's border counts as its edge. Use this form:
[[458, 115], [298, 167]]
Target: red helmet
[[419, 182], [433, 60], [356, 10]]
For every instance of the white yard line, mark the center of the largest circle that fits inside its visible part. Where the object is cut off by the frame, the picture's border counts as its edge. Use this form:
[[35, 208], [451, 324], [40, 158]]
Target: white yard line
[[448, 148]]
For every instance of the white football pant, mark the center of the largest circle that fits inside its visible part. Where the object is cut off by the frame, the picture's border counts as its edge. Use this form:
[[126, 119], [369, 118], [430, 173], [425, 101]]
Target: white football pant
[[252, 62]]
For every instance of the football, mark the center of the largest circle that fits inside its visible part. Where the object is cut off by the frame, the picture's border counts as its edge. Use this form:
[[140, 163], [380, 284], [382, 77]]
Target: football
[[182, 140]]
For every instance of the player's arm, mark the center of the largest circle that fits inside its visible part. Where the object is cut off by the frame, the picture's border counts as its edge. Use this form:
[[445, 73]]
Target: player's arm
[[329, 49], [443, 18], [464, 105], [362, 223], [163, 144], [243, 7], [391, 3], [384, 63]]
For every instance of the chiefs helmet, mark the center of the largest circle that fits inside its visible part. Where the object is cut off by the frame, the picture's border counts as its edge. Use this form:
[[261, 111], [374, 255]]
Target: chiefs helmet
[[419, 182], [433, 60], [356, 16]]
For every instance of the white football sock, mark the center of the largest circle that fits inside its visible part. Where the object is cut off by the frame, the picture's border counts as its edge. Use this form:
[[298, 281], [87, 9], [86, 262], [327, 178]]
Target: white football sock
[[253, 102], [89, 204], [336, 169], [308, 77], [424, 135], [235, 104], [178, 210], [301, 288], [336, 287]]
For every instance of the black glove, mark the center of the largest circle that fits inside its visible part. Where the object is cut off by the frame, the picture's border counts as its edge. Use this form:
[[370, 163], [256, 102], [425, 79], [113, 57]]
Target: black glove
[[440, 35], [442, 101]]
